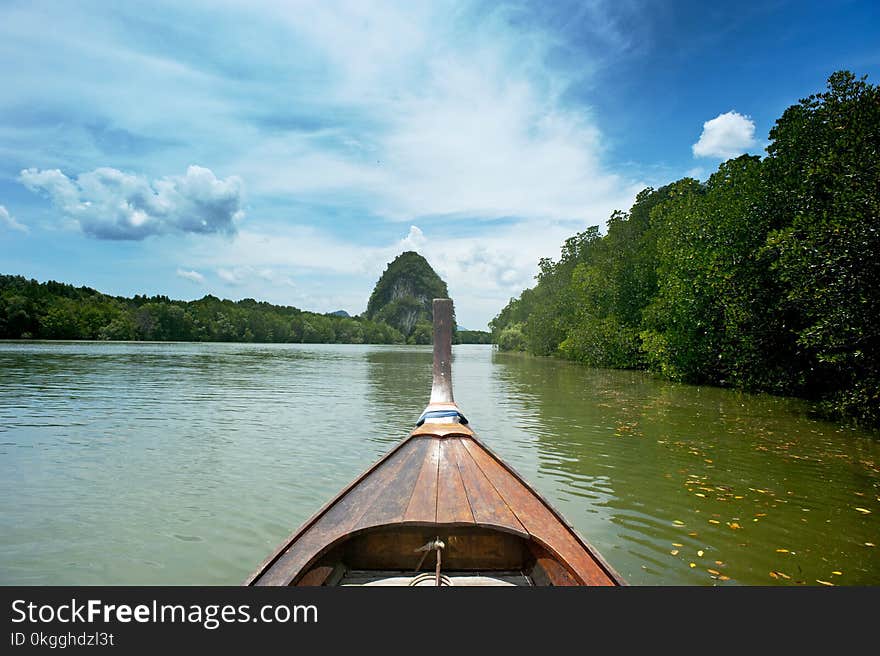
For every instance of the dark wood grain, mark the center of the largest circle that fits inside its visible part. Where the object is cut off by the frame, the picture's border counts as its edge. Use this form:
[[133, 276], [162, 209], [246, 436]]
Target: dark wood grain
[[547, 570], [316, 576], [466, 548]]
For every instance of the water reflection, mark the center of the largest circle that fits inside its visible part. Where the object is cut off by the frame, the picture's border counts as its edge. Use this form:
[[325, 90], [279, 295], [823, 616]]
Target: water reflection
[[188, 463], [398, 388], [701, 485]]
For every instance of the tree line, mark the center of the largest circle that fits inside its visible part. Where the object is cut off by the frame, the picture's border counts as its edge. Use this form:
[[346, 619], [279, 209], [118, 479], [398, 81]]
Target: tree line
[[53, 310], [764, 278]]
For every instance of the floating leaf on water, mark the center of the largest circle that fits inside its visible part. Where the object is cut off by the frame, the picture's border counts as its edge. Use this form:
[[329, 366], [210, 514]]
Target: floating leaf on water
[[693, 534], [719, 563], [692, 565], [824, 582], [674, 552], [699, 494], [870, 544], [864, 511], [782, 551], [734, 525], [700, 553], [678, 522], [714, 521], [713, 571], [723, 578], [760, 514], [774, 575], [677, 544], [836, 573]]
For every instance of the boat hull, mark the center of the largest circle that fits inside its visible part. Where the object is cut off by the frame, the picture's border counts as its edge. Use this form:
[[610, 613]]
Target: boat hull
[[441, 483]]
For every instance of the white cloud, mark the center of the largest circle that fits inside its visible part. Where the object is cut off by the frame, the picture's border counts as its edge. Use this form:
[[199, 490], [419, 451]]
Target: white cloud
[[229, 276], [446, 115], [193, 276], [6, 219], [110, 204], [414, 240], [725, 136]]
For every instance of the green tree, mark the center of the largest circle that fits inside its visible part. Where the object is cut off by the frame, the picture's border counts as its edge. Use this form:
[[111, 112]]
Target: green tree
[[823, 169]]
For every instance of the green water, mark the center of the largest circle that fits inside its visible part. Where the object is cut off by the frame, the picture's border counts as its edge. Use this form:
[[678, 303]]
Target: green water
[[144, 463]]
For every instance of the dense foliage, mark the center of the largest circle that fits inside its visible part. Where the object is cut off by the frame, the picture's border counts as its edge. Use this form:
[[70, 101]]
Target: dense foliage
[[52, 310], [404, 295], [765, 277], [474, 337]]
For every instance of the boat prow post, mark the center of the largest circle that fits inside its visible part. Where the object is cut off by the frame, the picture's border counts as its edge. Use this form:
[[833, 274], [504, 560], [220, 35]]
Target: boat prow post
[[442, 408]]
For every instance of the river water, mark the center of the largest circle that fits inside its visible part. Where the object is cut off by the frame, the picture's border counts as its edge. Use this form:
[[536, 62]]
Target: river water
[[165, 463]]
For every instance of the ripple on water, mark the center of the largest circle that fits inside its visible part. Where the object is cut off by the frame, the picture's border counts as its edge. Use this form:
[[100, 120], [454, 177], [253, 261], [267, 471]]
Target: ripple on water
[[142, 455]]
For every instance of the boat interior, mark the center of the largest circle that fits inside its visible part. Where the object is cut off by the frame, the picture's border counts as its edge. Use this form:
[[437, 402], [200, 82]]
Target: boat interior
[[408, 556]]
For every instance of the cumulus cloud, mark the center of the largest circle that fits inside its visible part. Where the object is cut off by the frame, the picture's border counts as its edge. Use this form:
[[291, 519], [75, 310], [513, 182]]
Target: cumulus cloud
[[193, 276], [725, 136], [414, 240], [110, 204], [7, 220]]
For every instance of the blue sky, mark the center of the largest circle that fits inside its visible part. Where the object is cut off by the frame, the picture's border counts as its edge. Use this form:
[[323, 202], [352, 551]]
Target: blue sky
[[286, 151]]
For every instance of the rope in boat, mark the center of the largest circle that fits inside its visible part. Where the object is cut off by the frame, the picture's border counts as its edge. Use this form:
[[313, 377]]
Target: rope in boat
[[439, 579]]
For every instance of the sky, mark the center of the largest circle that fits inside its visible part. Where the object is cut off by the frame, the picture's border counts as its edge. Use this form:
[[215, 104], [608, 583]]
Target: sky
[[287, 151]]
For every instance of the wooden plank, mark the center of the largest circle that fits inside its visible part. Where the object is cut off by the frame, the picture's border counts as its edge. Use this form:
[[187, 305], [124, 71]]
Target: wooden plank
[[542, 523], [467, 547], [487, 505], [547, 570], [441, 388], [422, 506], [316, 576], [339, 518], [443, 430], [452, 501], [389, 508]]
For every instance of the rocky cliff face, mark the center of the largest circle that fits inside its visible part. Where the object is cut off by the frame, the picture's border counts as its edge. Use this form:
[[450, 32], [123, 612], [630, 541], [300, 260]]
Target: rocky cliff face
[[404, 295]]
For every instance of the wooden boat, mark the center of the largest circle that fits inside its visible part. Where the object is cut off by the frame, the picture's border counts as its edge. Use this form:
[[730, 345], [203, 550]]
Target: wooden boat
[[440, 497]]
